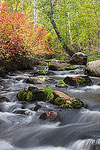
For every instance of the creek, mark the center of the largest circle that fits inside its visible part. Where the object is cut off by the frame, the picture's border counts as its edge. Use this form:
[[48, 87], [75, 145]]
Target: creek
[[79, 129]]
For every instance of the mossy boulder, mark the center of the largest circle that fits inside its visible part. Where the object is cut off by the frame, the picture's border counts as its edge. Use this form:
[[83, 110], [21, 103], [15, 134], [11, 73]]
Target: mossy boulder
[[64, 101], [58, 65], [33, 93], [22, 95], [93, 68], [79, 80], [61, 84]]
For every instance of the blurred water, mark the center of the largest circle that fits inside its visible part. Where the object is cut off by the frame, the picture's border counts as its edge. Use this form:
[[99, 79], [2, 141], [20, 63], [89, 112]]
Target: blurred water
[[77, 130]]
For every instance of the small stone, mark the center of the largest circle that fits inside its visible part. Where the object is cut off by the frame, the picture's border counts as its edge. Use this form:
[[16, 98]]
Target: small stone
[[37, 107]]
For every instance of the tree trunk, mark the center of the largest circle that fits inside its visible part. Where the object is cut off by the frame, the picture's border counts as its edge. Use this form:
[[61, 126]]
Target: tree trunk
[[65, 47]]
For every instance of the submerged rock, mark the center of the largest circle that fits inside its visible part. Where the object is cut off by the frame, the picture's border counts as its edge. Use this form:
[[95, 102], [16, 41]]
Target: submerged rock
[[37, 107], [79, 59], [79, 80], [39, 80], [22, 111], [64, 101], [3, 99], [50, 115], [93, 68]]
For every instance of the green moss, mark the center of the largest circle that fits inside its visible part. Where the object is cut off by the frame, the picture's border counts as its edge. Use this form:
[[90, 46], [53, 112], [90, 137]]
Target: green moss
[[93, 57], [29, 96], [22, 95], [76, 104], [48, 92], [59, 101], [61, 82], [42, 72], [66, 106], [70, 68], [81, 81], [51, 98]]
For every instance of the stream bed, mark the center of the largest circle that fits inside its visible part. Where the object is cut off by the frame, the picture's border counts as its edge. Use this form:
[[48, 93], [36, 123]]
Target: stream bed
[[79, 129]]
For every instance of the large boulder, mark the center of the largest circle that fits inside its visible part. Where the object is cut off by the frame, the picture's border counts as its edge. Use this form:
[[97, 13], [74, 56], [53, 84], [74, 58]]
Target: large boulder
[[58, 65], [64, 101], [78, 80], [39, 79], [79, 59], [32, 93], [93, 68]]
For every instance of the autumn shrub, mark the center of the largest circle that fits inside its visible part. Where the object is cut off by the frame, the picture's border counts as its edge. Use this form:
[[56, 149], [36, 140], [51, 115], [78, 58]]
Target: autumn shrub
[[20, 38]]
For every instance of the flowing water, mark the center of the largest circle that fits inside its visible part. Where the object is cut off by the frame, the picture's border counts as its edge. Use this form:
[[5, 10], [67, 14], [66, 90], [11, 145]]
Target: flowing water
[[77, 129]]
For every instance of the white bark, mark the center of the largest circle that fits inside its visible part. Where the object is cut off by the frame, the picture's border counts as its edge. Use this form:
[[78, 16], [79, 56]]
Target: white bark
[[69, 28], [22, 5]]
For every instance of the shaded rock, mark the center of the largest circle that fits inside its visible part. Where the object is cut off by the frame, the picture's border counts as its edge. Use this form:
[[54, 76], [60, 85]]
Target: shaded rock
[[58, 65], [93, 68], [3, 99], [51, 116], [37, 107], [39, 79], [2, 71], [64, 101], [79, 59], [22, 111], [61, 84], [78, 80]]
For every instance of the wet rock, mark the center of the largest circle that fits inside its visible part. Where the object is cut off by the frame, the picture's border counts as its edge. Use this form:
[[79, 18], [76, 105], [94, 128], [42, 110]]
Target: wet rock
[[78, 80], [32, 93], [37, 107], [41, 72], [79, 59], [58, 65], [93, 68], [61, 84], [51, 116], [64, 101], [59, 94], [22, 111], [39, 79], [2, 71], [2, 99]]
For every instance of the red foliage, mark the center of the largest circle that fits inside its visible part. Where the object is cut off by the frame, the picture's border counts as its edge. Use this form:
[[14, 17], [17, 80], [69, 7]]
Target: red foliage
[[19, 36]]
